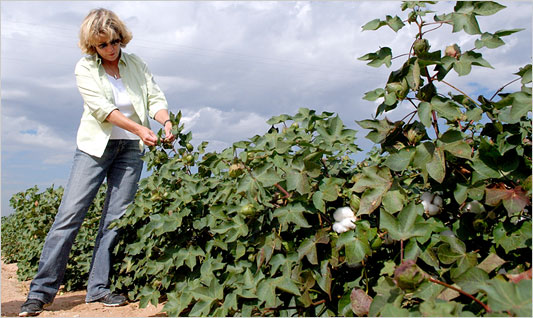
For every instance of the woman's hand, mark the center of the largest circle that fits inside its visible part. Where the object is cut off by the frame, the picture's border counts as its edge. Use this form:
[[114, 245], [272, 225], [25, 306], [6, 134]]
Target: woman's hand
[[169, 137], [147, 136]]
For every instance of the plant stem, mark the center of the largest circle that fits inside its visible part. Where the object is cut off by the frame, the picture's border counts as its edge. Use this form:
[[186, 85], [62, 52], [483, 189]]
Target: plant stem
[[436, 281], [460, 91], [287, 194], [501, 89], [401, 251]]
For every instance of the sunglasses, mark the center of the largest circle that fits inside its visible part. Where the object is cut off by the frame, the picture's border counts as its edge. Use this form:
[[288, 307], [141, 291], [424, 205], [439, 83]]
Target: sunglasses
[[113, 43]]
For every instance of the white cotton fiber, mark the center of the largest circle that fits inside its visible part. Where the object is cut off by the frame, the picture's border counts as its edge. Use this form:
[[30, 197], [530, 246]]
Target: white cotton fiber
[[343, 213]]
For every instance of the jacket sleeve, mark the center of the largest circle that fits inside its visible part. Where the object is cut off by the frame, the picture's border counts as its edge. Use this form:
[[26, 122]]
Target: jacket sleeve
[[92, 93], [155, 97]]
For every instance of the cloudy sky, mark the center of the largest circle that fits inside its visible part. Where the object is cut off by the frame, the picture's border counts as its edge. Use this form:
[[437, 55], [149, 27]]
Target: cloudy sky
[[228, 66]]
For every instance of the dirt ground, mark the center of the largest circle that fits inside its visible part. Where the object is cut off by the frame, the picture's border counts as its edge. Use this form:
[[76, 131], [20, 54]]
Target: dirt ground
[[71, 304]]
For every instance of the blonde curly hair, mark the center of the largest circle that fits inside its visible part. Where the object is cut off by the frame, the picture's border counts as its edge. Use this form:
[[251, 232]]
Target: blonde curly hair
[[102, 23]]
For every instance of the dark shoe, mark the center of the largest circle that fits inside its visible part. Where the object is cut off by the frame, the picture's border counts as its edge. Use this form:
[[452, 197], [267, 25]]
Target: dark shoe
[[112, 300], [32, 307]]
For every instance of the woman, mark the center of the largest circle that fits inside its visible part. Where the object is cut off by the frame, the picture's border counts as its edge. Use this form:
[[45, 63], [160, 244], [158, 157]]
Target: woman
[[119, 94]]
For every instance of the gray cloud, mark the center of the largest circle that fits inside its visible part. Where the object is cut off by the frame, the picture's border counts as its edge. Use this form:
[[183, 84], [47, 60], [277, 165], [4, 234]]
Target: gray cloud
[[229, 66]]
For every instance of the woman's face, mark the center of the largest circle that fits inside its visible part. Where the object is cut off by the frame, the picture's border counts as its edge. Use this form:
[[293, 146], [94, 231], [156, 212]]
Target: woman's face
[[108, 49]]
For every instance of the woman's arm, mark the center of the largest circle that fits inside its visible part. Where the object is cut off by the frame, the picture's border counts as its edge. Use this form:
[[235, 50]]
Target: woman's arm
[[146, 135], [162, 116]]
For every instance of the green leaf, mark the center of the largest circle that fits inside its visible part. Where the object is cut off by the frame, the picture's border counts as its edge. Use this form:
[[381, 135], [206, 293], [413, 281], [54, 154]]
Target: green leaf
[[324, 278], [391, 310], [373, 25], [454, 143], [471, 280], [380, 129], [464, 65], [446, 108], [409, 222], [491, 262], [487, 7], [413, 76], [286, 284], [395, 23], [318, 201], [383, 56], [268, 177], [504, 296], [489, 40], [375, 94], [521, 106], [468, 22], [441, 308], [399, 161], [278, 119], [424, 113], [266, 292], [393, 201], [525, 73], [308, 249], [298, 180], [331, 188], [292, 213], [512, 239], [375, 182], [437, 166], [460, 193]]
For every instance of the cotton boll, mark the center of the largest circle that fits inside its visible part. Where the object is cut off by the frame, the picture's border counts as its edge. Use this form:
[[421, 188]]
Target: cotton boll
[[348, 223], [339, 228], [437, 201], [474, 207], [343, 213], [387, 240], [447, 233], [427, 197], [433, 209]]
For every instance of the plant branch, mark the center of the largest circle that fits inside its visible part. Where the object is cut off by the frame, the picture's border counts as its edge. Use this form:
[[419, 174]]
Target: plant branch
[[410, 114], [287, 194], [460, 91], [436, 281], [501, 89], [401, 251], [440, 25]]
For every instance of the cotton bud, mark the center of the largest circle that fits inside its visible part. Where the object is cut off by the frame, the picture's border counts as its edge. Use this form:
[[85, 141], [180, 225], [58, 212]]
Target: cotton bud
[[408, 276], [343, 213], [339, 228], [453, 51], [348, 223], [421, 46]]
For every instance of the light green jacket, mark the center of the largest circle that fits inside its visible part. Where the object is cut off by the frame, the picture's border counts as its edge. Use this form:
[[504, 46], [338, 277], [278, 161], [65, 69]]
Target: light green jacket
[[98, 100]]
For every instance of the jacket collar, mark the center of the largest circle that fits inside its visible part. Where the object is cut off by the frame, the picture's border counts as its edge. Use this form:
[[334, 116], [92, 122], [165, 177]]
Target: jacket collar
[[122, 58]]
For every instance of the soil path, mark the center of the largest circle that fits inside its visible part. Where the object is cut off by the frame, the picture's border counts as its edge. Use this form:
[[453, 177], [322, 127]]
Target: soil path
[[66, 304]]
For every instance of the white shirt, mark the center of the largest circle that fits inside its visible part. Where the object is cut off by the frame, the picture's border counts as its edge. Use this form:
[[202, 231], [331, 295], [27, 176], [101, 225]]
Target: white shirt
[[124, 105]]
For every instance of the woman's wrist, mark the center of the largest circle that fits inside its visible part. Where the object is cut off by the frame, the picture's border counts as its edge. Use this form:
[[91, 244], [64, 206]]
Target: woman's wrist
[[166, 121]]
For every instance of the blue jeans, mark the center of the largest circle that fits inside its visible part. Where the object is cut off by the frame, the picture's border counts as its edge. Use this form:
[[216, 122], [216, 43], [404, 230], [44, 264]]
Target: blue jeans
[[122, 165]]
